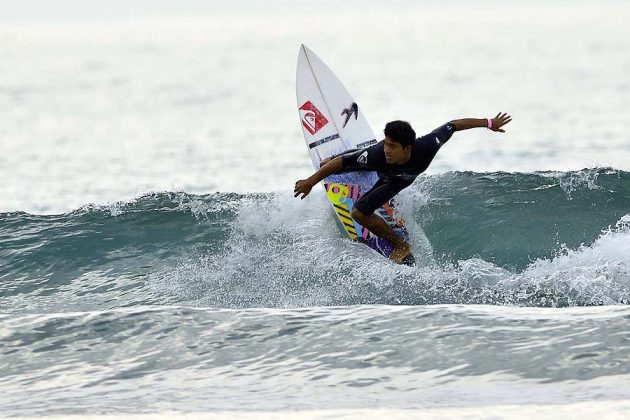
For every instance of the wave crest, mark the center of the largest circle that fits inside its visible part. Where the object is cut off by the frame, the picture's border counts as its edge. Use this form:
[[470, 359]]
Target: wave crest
[[542, 239]]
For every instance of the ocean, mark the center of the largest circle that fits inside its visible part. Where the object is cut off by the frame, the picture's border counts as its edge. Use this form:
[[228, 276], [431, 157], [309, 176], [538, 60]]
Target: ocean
[[155, 264]]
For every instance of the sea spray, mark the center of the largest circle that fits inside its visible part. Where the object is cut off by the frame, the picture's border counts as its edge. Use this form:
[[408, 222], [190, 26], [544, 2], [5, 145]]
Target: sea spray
[[495, 238]]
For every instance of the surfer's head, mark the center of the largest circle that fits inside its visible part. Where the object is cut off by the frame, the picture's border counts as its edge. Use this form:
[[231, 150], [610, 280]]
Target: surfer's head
[[399, 139]]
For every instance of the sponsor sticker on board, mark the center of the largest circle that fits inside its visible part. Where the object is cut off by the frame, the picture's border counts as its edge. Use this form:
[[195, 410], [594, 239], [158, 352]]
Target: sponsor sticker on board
[[312, 119]]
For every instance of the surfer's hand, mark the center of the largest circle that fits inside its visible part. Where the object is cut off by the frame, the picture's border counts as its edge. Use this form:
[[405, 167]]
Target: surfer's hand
[[499, 121], [303, 187]]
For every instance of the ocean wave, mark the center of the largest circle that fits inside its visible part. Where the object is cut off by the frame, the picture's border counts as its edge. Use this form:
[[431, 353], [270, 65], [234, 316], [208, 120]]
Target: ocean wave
[[537, 239], [395, 355]]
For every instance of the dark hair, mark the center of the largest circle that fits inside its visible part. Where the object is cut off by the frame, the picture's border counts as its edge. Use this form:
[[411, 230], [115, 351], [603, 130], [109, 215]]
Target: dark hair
[[400, 132]]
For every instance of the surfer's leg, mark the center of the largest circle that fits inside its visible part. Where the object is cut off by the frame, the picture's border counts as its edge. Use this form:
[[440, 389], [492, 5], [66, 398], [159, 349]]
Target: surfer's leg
[[363, 212], [378, 226]]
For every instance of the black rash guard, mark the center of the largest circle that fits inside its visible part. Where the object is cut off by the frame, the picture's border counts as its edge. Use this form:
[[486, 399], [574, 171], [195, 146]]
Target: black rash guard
[[373, 158], [393, 177]]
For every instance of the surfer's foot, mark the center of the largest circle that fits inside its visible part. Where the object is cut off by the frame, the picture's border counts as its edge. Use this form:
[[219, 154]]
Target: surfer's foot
[[409, 260], [401, 253]]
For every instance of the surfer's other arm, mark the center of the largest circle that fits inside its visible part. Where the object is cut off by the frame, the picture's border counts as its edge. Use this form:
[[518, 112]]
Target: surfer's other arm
[[493, 124], [304, 186]]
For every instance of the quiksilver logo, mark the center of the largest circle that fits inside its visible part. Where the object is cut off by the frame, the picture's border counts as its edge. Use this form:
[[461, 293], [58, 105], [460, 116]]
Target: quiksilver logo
[[363, 158], [312, 119]]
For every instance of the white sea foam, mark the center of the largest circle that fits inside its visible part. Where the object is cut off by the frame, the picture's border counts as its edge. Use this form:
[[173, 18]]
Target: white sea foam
[[596, 274], [285, 252], [600, 409]]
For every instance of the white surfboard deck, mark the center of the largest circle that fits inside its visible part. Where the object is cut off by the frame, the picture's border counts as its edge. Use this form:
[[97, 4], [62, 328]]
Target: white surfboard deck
[[332, 123]]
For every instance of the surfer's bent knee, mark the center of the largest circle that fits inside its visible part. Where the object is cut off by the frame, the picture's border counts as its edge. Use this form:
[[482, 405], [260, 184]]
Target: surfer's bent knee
[[358, 215]]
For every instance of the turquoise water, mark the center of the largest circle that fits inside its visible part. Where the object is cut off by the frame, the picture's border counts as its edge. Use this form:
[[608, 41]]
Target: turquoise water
[[542, 239], [204, 303], [153, 259]]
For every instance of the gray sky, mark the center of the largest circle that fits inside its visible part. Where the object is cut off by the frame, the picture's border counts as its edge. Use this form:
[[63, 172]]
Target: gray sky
[[56, 10]]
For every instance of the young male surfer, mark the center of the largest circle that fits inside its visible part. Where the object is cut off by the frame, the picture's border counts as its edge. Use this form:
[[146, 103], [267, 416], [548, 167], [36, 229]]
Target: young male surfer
[[398, 160]]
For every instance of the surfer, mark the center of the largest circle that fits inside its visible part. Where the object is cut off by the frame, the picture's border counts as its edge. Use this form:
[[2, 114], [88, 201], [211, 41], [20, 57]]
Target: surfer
[[398, 160]]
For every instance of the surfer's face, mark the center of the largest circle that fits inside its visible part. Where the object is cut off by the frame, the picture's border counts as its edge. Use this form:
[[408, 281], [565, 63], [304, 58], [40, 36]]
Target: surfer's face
[[395, 152]]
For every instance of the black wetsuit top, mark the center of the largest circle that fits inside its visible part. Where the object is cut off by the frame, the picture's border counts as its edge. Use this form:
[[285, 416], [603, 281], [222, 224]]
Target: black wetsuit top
[[394, 177]]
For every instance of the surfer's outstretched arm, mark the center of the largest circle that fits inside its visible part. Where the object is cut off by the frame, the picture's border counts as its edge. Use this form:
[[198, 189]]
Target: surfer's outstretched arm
[[304, 186], [493, 124]]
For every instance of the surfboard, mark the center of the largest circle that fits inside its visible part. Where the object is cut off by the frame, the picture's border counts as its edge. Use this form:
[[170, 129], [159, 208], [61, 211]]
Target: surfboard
[[333, 122]]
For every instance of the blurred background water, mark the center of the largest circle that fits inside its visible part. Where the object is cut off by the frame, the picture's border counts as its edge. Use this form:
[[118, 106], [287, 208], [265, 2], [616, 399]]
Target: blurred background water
[[103, 102]]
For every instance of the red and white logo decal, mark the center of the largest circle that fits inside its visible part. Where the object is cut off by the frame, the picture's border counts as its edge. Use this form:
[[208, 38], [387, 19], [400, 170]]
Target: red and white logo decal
[[312, 119]]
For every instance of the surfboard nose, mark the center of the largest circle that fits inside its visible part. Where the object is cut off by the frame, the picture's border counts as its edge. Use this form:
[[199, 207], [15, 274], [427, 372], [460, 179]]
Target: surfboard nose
[[306, 49]]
